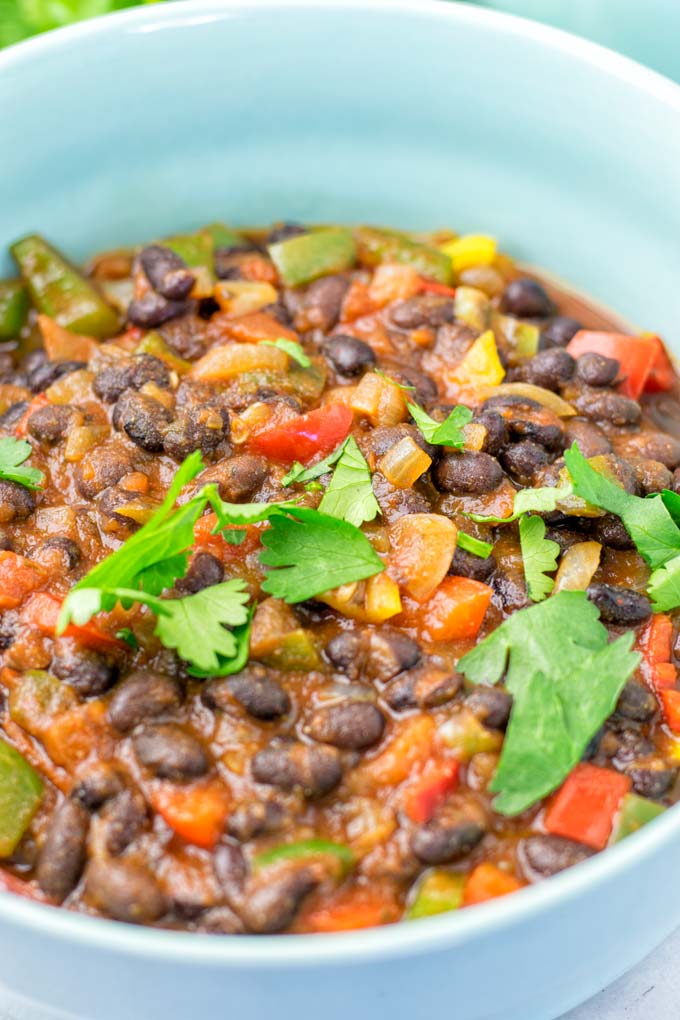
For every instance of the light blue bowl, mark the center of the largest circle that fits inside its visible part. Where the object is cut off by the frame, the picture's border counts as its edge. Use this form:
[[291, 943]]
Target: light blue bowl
[[410, 113]]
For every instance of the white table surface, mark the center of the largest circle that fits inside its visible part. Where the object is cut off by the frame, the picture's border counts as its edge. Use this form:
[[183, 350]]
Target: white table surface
[[651, 991]]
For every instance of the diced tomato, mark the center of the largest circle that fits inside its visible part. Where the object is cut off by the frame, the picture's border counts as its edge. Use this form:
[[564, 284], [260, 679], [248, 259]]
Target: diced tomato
[[453, 613], [662, 676], [18, 578], [636, 354], [662, 376], [258, 326], [20, 429], [487, 882], [427, 793], [655, 638], [585, 806], [670, 702], [318, 432], [357, 302], [197, 813], [432, 287], [42, 611], [410, 747], [349, 909]]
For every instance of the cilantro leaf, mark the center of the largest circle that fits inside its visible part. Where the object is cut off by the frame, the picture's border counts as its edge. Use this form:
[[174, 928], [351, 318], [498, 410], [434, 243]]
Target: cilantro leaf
[[539, 555], [349, 495], [229, 514], [299, 473], [647, 521], [474, 545], [291, 348], [565, 679], [442, 433], [13, 453], [664, 586], [195, 626], [400, 386], [315, 553], [671, 501], [540, 501]]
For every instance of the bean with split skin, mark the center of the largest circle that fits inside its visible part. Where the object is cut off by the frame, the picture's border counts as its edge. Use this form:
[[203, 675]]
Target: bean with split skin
[[389, 652], [319, 308], [255, 688], [103, 467], [205, 570], [422, 310], [422, 688], [238, 478], [99, 783], [71, 553], [49, 371], [63, 854], [195, 428], [123, 817], [144, 419], [124, 890], [497, 434], [142, 695], [588, 436], [652, 781], [170, 752]]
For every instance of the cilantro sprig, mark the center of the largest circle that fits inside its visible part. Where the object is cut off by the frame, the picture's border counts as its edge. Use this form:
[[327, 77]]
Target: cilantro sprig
[[474, 545], [349, 495], [539, 501], [299, 473], [291, 348], [442, 433], [13, 454], [539, 555], [565, 678]]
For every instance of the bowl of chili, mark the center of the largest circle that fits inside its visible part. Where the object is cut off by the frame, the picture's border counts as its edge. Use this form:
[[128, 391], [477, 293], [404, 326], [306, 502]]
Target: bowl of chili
[[341, 447]]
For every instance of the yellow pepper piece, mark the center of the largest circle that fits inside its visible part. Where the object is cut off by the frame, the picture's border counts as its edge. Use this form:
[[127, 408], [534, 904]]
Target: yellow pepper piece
[[479, 370], [470, 250]]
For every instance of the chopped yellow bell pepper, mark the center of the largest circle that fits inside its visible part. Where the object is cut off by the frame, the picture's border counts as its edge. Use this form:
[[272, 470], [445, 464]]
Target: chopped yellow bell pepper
[[470, 250], [479, 370]]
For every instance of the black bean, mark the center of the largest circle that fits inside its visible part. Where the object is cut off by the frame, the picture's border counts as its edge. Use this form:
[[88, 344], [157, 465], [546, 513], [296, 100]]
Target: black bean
[[111, 503], [491, 705], [526, 299], [170, 752], [597, 370], [619, 605], [144, 419], [145, 369], [466, 564], [636, 702], [62, 857], [255, 688], [231, 868], [343, 651], [95, 786], [284, 231], [196, 428], [277, 310], [89, 672], [237, 478], [423, 388], [70, 550], [352, 725], [542, 856], [497, 434], [9, 623], [652, 476], [389, 652], [522, 460], [272, 905], [436, 843], [166, 272], [14, 414], [652, 781], [153, 310], [320, 306], [104, 466], [143, 695], [426, 687], [292, 765], [394, 502], [111, 381], [652, 446], [49, 371], [549, 368], [256, 818], [608, 407], [527, 419], [609, 530], [469, 472], [16, 502], [384, 437], [558, 332], [625, 744], [124, 890], [220, 921], [422, 310], [124, 818], [49, 424], [205, 570], [589, 437], [347, 355]]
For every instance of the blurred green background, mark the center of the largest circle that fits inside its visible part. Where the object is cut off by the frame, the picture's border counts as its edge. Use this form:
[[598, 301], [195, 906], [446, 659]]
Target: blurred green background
[[20, 19]]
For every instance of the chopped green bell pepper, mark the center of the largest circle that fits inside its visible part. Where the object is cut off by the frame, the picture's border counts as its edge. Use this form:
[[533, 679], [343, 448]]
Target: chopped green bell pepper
[[466, 736], [14, 305], [636, 811], [224, 237], [300, 260], [21, 790], [197, 249], [59, 290], [377, 246], [307, 848], [296, 650], [153, 343], [37, 698], [437, 892]]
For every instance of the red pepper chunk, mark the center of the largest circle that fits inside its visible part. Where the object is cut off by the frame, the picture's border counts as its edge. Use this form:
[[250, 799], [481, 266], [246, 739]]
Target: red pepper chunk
[[42, 611], [662, 374], [432, 287], [670, 702], [428, 792], [637, 355], [318, 432], [654, 642], [585, 806]]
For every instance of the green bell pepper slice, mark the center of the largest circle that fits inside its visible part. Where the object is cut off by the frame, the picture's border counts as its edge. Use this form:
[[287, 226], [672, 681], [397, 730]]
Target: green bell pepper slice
[[59, 290], [307, 848], [21, 791], [300, 260], [197, 250], [437, 892], [376, 246], [153, 343], [296, 650], [14, 306], [224, 237], [635, 812]]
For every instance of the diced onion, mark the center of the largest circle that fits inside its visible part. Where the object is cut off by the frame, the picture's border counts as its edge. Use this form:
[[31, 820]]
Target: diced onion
[[475, 436], [577, 567], [228, 361], [379, 400], [404, 463], [472, 307], [542, 396], [241, 297], [422, 549]]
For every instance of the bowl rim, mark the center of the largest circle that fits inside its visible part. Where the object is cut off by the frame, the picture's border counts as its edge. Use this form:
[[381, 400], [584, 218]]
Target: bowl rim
[[395, 940]]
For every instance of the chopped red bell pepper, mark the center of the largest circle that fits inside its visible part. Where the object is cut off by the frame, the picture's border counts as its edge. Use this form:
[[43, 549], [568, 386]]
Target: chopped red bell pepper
[[428, 792], [654, 642], [585, 807], [488, 882], [636, 355], [302, 438], [670, 702], [197, 813], [432, 287], [662, 375], [42, 611]]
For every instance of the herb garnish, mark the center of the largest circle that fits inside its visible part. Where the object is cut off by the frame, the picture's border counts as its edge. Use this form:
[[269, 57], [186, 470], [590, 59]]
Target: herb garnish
[[349, 495], [291, 348], [539, 555], [474, 545], [299, 473], [13, 453], [442, 433]]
